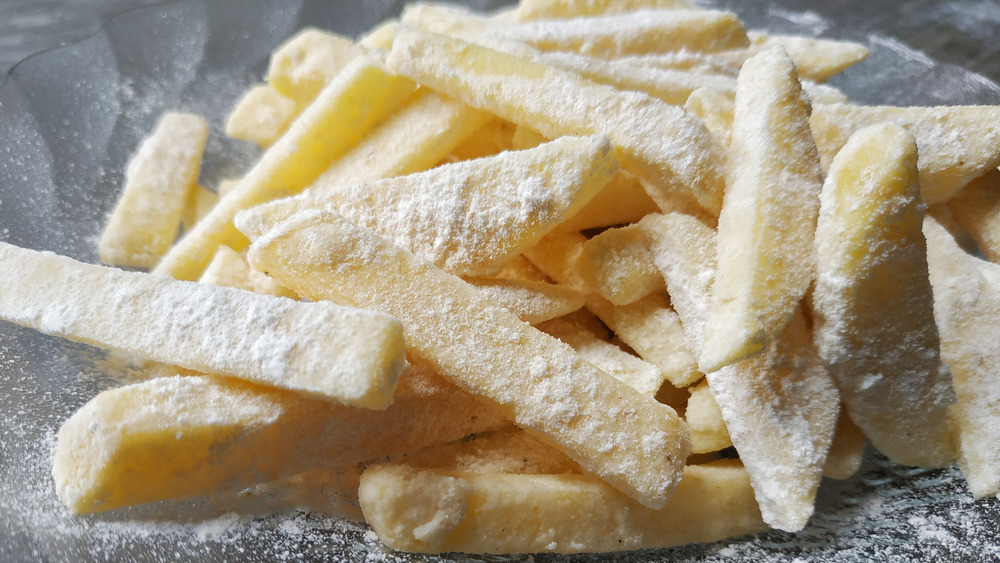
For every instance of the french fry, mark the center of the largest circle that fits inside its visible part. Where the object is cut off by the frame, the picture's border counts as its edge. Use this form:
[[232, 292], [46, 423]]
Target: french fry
[[815, 59], [261, 116], [977, 209], [765, 259], [200, 201], [492, 138], [704, 418], [956, 144], [873, 313], [181, 437], [340, 353], [158, 182], [432, 511], [846, 450], [230, 269], [309, 60], [702, 63], [532, 301], [347, 107], [967, 309], [621, 201], [539, 382], [520, 268], [617, 265], [670, 150], [715, 108], [529, 10]]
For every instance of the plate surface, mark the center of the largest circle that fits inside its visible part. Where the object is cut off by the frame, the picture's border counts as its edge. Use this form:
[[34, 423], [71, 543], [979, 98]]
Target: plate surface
[[69, 120]]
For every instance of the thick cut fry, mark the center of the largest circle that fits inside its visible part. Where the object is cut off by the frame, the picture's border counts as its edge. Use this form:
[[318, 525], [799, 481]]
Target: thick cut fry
[[977, 209], [780, 408], [158, 182], [471, 217], [617, 265], [528, 10], [439, 511], [336, 352], [180, 437], [671, 150], [956, 144], [349, 105], [532, 301], [967, 310], [261, 116], [874, 319], [765, 242], [309, 60], [539, 382], [815, 59], [231, 269], [621, 201], [704, 418], [846, 450]]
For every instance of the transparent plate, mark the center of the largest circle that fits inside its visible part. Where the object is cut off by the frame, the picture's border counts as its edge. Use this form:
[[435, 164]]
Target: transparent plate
[[70, 118]]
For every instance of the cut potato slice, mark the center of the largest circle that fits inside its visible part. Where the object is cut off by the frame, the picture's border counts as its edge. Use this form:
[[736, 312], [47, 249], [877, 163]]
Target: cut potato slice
[[704, 418], [815, 59], [309, 60], [528, 10], [231, 269], [261, 116], [617, 265], [977, 209], [532, 301]]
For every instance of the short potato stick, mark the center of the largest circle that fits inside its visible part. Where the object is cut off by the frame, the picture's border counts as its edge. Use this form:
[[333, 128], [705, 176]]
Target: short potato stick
[[873, 305], [471, 217], [765, 259], [231, 269], [967, 310], [671, 150], [621, 201], [846, 450], [704, 418], [631, 441], [780, 409], [528, 10], [956, 144], [261, 116], [309, 60], [180, 437], [617, 265], [339, 353], [815, 59], [434, 511], [532, 301], [347, 107], [977, 209], [158, 182]]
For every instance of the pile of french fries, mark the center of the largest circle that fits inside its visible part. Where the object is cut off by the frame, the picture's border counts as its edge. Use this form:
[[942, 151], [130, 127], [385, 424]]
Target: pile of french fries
[[578, 276]]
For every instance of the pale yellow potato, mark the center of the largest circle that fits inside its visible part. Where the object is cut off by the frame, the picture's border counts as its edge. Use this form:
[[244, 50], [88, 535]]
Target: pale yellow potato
[[158, 182], [471, 217], [780, 408], [815, 59], [433, 511], [261, 116], [231, 269], [629, 440], [977, 209], [704, 418], [348, 106], [528, 10], [532, 301], [873, 306], [309, 60], [336, 352], [956, 143], [621, 201], [967, 311], [493, 137], [526, 138], [380, 36], [180, 437], [617, 265], [715, 108], [704, 63], [225, 186], [765, 259], [200, 202], [642, 376], [846, 451], [520, 268], [669, 149]]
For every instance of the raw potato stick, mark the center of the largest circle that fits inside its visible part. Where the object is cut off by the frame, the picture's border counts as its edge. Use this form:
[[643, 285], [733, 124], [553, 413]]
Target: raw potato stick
[[532, 301], [528, 10], [340, 353], [631, 441]]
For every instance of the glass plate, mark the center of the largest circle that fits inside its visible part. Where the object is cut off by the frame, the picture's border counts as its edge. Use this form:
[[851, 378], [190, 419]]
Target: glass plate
[[69, 120]]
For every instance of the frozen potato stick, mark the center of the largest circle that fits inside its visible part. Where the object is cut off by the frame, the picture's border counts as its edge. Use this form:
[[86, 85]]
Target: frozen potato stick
[[780, 408], [956, 143], [179, 437], [261, 116], [702, 63], [305, 63], [874, 319], [434, 511], [621, 201], [200, 201], [158, 182], [715, 108], [532, 301], [704, 418], [846, 450], [348, 106], [815, 59], [642, 376], [977, 209], [493, 137], [470, 217], [340, 353], [967, 310], [520, 268], [671, 150], [528, 10], [631, 441], [765, 256], [617, 265], [231, 269]]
